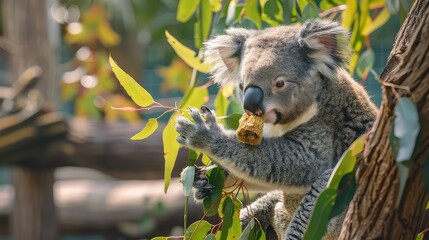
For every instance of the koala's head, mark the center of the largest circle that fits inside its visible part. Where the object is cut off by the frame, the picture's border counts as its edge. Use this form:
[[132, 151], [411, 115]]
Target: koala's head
[[279, 71]]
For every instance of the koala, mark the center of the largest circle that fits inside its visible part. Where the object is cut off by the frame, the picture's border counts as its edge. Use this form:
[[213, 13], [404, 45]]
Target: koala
[[297, 77]]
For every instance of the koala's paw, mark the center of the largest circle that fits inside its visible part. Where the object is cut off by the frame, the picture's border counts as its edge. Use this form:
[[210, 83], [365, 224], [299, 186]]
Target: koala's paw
[[202, 188], [200, 134], [245, 217]]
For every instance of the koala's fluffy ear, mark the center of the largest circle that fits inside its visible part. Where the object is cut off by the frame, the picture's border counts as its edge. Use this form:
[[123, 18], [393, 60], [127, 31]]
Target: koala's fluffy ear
[[223, 53], [326, 43]]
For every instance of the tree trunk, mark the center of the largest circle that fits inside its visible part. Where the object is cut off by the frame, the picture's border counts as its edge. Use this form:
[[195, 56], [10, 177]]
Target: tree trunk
[[373, 212], [26, 27]]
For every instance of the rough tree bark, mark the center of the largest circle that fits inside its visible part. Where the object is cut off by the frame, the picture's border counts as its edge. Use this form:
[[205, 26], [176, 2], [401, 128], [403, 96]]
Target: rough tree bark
[[373, 213], [34, 215]]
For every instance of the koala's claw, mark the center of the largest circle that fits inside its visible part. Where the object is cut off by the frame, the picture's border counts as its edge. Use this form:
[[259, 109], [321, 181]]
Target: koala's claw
[[203, 188], [198, 135]]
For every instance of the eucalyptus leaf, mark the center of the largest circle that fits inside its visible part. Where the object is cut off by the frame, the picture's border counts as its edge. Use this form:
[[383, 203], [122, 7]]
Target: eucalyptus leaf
[[252, 232], [406, 128], [186, 54], [186, 9], [149, 129], [171, 149], [321, 214], [392, 6], [188, 176], [216, 178], [403, 171], [228, 213], [211, 236], [346, 190], [365, 62], [139, 95], [198, 230]]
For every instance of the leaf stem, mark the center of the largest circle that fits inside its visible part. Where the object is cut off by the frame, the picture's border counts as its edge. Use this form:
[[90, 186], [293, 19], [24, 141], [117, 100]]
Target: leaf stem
[[185, 217]]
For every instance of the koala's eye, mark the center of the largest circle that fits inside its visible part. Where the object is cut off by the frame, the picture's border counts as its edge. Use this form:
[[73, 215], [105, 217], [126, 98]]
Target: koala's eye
[[240, 86], [280, 83]]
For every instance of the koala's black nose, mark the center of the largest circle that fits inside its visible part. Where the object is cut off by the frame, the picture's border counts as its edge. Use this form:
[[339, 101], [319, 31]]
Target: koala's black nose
[[253, 100]]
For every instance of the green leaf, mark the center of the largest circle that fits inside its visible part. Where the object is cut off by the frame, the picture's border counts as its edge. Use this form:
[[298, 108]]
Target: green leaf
[[232, 121], [171, 149], [245, 23], [139, 95], [228, 213], [379, 21], [216, 178], [188, 176], [211, 236], [203, 25], [310, 11], [197, 230], [392, 6], [406, 4], [186, 54], [365, 63], [403, 171], [302, 3], [186, 9], [236, 229], [192, 157], [406, 128], [206, 16], [149, 129], [252, 12], [345, 165], [272, 12], [346, 190], [288, 6], [252, 232], [322, 210], [221, 104]]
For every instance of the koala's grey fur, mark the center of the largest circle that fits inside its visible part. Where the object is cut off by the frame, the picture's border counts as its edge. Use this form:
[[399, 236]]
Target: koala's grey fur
[[319, 112]]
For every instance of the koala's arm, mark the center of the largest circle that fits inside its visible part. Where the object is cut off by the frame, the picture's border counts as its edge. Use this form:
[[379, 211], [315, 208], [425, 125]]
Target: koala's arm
[[289, 162]]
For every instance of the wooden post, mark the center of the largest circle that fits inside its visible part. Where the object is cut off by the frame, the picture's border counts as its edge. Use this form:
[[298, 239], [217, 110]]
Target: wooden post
[[26, 28]]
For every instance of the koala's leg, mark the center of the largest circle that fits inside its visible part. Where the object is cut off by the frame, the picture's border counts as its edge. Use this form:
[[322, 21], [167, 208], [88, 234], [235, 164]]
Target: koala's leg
[[301, 218], [263, 209], [283, 213]]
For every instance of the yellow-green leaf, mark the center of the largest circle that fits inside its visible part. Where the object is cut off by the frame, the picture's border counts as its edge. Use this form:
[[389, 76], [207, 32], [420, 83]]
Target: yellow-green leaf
[[252, 12], [151, 126], [206, 160], [379, 21], [216, 5], [186, 9], [349, 14], [139, 95], [187, 54], [171, 149], [357, 146], [195, 98], [221, 104]]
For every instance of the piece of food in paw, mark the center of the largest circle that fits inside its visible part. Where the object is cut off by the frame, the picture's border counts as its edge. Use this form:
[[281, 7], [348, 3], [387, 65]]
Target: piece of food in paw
[[250, 129]]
